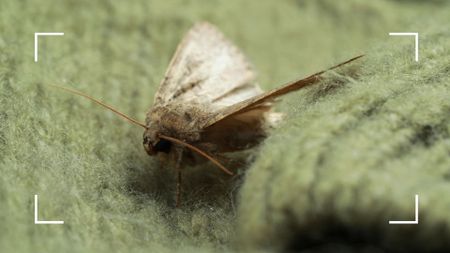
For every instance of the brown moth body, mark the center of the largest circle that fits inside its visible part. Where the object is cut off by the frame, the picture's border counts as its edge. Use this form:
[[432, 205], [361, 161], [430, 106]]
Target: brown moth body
[[170, 121], [209, 103]]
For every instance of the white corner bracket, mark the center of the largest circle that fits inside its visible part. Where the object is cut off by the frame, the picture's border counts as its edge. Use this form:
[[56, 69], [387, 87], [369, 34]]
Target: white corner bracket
[[416, 36], [416, 220], [36, 219], [36, 39]]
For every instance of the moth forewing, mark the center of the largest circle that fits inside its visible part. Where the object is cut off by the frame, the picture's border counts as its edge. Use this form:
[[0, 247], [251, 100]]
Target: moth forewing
[[208, 70], [266, 98]]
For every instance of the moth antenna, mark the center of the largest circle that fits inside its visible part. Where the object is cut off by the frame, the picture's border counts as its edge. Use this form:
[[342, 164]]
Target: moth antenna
[[199, 151], [79, 93]]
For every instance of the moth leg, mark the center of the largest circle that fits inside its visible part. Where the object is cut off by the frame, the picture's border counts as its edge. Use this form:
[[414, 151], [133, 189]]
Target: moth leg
[[178, 171]]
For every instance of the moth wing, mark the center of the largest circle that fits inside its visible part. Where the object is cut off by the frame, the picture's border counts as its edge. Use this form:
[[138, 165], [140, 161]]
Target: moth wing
[[266, 99], [240, 131], [208, 70]]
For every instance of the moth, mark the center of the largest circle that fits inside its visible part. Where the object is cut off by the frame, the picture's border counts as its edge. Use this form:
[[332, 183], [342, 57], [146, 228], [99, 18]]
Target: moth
[[208, 103]]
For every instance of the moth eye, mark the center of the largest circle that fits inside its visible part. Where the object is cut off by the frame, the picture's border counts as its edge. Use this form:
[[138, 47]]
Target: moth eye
[[163, 146]]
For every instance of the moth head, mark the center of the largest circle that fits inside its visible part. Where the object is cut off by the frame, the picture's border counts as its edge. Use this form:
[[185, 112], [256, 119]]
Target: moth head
[[153, 144]]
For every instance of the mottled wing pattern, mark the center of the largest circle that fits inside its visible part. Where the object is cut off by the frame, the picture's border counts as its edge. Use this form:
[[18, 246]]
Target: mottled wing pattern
[[208, 70]]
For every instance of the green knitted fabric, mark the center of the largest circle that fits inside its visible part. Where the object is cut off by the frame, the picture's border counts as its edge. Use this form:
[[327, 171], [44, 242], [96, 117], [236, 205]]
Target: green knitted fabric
[[349, 156], [348, 161]]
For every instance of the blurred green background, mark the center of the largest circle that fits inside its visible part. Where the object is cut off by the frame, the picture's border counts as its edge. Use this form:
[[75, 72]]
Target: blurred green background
[[90, 170]]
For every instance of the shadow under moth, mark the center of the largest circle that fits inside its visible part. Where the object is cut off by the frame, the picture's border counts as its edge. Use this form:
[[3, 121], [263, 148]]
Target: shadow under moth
[[208, 103]]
